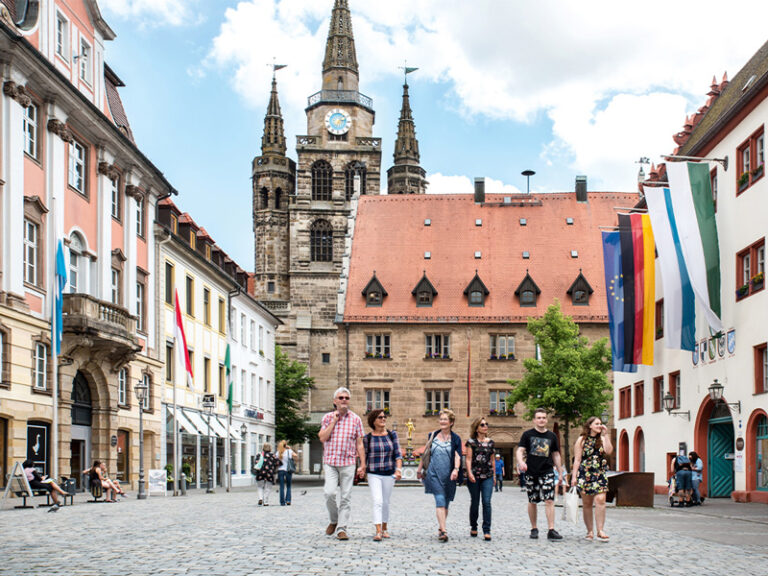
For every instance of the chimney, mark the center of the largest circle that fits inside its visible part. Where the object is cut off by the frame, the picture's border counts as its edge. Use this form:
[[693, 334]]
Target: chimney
[[479, 190], [581, 188]]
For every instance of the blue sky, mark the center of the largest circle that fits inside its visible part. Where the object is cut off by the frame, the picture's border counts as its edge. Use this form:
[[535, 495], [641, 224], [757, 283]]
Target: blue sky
[[558, 87]]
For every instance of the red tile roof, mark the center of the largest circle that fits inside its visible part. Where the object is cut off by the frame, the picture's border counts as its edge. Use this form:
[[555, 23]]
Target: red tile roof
[[116, 104], [391, 238]]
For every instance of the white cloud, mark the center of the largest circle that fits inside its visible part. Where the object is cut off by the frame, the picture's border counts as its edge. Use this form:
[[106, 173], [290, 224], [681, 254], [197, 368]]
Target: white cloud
[[615, 82], [155, 12], [446, 184]]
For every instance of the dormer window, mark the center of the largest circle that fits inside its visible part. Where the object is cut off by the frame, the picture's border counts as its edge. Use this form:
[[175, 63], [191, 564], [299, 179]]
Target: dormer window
[[580, 291], [374, 292], [476, 292], [424, 291], [528, 292]]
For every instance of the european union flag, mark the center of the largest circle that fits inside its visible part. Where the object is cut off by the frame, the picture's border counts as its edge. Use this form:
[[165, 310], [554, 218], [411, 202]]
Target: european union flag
[[614, 288]]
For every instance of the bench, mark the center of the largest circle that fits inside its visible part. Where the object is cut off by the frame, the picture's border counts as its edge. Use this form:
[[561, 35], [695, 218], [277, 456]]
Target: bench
[[97, 491], [35, 492]]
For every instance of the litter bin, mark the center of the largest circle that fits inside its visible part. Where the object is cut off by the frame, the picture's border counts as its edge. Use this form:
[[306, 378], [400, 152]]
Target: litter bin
[[631, 489]]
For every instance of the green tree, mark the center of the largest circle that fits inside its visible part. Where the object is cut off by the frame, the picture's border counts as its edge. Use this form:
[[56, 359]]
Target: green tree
[[291, 387], [570, 380]]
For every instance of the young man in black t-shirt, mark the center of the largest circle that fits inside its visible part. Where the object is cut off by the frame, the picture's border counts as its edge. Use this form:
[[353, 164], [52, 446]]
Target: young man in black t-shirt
[[537, 455]]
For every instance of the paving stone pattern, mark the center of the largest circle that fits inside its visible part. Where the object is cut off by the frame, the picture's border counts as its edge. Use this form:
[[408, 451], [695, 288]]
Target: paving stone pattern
[[228, 534]]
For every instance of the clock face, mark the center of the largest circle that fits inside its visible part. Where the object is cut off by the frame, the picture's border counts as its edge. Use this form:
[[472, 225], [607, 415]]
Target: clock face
[[337, 121]]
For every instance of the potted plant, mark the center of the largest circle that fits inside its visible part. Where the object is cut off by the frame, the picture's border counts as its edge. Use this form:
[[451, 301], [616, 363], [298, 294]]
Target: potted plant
[[510, 356], [743, 180], [757, 281], [758, 172], [493, 356], [742, 291], [369, 354], [659, 332]]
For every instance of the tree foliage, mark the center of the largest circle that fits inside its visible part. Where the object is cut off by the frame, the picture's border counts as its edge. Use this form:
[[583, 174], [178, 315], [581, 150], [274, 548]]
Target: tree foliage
[[570, 380], [291, 387]]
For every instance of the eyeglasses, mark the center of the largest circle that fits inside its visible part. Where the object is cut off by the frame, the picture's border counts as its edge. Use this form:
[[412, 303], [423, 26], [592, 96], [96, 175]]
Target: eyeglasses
[[342, 397], [381, 417], [483, 424]]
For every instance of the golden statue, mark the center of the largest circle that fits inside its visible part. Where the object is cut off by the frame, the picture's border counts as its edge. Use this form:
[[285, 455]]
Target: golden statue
[[410, 427]]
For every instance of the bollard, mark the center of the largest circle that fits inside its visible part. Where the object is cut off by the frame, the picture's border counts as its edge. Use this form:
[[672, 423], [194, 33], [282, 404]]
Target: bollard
[[183, 484]]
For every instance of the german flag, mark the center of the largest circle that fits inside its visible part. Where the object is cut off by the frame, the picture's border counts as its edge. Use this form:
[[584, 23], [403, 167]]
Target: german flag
[[638, 268]]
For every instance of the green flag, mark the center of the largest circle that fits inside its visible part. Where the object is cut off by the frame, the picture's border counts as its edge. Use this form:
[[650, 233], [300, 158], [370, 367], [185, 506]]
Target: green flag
[[228, 368]]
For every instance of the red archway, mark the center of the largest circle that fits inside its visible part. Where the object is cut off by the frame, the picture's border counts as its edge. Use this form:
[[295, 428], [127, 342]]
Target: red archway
[[701, 438], [753, 494], [624, 451], [638, 453]]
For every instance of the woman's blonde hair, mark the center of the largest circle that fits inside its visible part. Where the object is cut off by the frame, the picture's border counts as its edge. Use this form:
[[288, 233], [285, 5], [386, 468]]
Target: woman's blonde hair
[[448, 412], [281, 447], [266, 447]]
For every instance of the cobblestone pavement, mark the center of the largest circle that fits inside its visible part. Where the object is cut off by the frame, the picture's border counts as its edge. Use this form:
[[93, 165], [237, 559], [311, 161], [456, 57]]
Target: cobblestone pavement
[[227, 534]]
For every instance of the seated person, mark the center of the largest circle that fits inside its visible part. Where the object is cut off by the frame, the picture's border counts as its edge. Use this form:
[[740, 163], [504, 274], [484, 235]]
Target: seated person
[[681, 468], [115, 484], [97, 478], [39, 482]]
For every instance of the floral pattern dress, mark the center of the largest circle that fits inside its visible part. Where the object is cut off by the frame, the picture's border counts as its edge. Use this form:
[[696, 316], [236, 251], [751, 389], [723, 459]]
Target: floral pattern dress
[[593, 477], [483, 455]]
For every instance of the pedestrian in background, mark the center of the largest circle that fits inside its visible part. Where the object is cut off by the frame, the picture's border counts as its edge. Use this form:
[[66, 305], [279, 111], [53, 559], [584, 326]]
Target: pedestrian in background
[[341, 432], [442, 471], [538, 454], [590, 470], [384, 466], [681, 468], [265, 473], [287, 459], [697, 466], [499, 472], [481, 475]]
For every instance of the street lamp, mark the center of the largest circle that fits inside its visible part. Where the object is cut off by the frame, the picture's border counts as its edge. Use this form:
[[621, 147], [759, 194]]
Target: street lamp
[[669, 404], [243, 429], [604, 417], [209, 489], [141, 389], [716, 395]]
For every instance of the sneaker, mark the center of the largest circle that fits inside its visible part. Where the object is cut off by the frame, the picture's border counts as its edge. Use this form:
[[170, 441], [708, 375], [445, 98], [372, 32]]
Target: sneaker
[[534, 534], [553, 535], [54, 508]]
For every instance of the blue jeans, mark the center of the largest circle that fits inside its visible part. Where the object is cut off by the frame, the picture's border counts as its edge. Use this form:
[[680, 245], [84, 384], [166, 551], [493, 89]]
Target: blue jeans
[[284, 478], [482, 487], [696, 495]]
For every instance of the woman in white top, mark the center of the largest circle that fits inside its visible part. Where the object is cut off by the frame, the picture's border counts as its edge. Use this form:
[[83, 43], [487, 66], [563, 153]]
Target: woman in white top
[[287, 458]]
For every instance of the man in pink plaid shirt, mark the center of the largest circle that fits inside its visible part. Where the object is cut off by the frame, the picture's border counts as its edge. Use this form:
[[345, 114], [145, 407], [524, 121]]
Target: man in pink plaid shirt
[[341, 433]]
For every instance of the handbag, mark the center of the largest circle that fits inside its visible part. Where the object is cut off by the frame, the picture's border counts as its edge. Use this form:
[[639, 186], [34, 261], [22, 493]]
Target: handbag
[[426, 455], [571, 506], [259, 462], [290, 466]]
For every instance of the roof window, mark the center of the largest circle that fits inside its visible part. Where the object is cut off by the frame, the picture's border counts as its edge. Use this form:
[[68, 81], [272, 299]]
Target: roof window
[[526, 255], [478, 254], [427, 222], [574, 253], [523, 221], [569, 221], [427, 255], [478, 222]]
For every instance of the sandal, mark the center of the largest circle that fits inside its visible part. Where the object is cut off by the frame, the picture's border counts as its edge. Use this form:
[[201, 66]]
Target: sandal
[[487, 537], [602, 536], [442, 535], [473, 532], [589, 536], [377, 537], [384, 534]]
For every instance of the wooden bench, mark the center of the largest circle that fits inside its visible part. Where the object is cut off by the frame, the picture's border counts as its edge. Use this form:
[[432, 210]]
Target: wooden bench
[[35, 492]]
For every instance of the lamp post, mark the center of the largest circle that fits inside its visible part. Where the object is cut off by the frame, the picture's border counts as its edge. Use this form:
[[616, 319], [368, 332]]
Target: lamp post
[[716, 395], [243, 460], [209, 489], [669, 404], [141, 389]]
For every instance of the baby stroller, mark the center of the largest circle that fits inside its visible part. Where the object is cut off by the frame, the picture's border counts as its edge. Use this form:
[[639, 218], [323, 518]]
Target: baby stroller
[[675, 499]]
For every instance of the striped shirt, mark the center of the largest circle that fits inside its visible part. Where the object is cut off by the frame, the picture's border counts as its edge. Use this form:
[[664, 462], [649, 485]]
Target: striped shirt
[[341, 448], [381, 453]]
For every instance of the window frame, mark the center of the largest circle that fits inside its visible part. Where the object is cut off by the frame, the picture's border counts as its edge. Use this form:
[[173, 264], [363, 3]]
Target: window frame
[[321, 241], [5, 354], [750, 264], [222, 316], [122, 388], [206, 306], [658, 393], [436, 399], [32, 132], [146, 405], [77, 167], [189, 296], [497, 403], [170, 282], [659, 318], [440, 342], [141, 303], [85, 62], [638, 390], [675, 388], [116, 286], [140, 220], [761, 368], [322, 181], [377, 399], [62, 37], [499, 342], [116, 208], [751, 167], [625, 402], [37, 373], [32, 253], [378, 346]]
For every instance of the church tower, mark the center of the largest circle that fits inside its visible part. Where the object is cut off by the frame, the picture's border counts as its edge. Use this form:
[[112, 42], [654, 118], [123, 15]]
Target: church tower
[[406, 176], [274, 177]]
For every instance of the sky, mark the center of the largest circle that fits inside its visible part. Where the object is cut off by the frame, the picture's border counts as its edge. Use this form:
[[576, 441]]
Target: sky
[[555, 86]]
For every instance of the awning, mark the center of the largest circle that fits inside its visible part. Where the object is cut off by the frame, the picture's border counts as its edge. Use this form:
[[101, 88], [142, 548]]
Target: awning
[[202, 423], [184, 422], [221, 429], [234, 436]]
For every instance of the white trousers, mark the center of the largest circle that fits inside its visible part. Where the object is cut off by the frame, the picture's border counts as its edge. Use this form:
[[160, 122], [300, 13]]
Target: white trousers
[[381, 490], [339, 479], [265, 488]]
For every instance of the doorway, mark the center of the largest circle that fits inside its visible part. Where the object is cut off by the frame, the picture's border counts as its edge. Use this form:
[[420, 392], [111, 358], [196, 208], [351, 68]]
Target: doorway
[[720, 467], [123, 460], [78, 462], [82, 417]]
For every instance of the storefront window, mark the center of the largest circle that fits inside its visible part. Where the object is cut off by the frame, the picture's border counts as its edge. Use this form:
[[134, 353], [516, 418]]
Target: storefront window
[[762, 453]]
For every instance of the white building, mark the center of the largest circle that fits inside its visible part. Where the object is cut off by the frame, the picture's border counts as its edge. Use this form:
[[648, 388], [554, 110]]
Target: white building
[[731, 437]]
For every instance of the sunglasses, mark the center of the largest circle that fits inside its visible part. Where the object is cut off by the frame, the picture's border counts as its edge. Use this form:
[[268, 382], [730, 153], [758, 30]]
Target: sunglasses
[[381, 417], [483, 424], [342, 398]]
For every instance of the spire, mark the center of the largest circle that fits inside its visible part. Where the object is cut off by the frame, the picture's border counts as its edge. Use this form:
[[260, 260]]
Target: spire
[[406, 176], [273, 140], [340, 70], [406, 145]]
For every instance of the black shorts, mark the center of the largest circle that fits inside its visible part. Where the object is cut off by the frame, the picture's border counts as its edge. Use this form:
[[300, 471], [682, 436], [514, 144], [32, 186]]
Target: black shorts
[[540, 488]]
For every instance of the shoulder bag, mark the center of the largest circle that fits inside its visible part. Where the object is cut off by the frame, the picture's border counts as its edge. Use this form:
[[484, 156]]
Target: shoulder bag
[[291, 463], [426, 454]]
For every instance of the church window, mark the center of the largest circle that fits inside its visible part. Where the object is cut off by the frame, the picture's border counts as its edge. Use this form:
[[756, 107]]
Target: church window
[[264, 198], [354, 169], [321, 241], [278, 198], [322, 179]]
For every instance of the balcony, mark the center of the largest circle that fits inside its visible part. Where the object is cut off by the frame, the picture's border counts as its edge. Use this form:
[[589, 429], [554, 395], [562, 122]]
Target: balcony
[[105, 329], [340, 97]]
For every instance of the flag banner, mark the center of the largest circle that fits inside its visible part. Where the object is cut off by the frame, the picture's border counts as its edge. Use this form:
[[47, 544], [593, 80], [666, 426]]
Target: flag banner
[[182, 352], [614, 285], [228, 369], [679, 299], [58, 298], [694, 211], [638, 269]]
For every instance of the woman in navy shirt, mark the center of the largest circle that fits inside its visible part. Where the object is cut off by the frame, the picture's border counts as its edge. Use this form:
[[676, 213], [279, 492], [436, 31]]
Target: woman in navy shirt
[[384, 465]]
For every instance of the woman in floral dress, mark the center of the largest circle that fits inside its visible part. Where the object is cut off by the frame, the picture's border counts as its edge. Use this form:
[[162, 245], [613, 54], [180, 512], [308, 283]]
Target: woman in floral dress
[[590, 466], [481, 475]]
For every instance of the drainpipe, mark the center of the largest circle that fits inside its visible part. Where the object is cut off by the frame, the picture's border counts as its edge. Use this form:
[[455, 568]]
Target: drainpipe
[[227, 452], [346, 353]]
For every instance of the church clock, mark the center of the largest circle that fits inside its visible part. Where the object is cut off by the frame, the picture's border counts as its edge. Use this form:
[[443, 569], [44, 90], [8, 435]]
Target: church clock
[[337, 121]]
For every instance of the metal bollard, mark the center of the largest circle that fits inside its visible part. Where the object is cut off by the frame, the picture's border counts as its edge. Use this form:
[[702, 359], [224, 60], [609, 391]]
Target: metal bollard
[[183, 484]]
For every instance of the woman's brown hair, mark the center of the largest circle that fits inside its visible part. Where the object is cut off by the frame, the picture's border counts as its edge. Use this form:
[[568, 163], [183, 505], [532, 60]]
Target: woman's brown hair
[[372, 415], [585, 433], [475, 425]]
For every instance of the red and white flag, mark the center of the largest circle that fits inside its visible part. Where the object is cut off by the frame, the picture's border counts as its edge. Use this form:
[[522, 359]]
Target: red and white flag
[[182, 352]]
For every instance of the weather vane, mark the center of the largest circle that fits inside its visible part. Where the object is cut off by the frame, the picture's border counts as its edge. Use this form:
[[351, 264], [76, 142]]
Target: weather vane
[[275, 66], [407, 70]]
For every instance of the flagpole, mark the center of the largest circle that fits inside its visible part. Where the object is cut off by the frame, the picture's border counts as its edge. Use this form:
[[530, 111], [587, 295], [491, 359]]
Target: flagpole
[[228, 455], [175, 360], [54, 471]]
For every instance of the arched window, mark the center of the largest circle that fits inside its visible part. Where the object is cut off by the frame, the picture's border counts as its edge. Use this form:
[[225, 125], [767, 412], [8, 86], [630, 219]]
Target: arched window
[[278, 198], [82, 407], [76, 263], [321, 241], [354, 169], [264, 195], [322, 181]]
